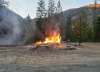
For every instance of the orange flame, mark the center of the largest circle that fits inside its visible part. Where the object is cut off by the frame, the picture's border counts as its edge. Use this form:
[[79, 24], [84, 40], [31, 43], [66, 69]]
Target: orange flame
[[54, 37]]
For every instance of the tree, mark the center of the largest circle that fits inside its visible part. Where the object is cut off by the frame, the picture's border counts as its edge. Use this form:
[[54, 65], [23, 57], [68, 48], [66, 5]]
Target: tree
[[51, 8], [59, 7], [86, 33], [28, 22], [28, 30], [41, 10], [97, 29], [68, 27], [81, 30], [3, 3], [41, 13]]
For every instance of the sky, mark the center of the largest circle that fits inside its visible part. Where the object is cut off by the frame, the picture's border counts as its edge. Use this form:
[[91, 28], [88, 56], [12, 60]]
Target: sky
[[25, 7]]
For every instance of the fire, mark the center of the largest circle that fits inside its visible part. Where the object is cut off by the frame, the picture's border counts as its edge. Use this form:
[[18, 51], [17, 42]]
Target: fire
[[53, 38]]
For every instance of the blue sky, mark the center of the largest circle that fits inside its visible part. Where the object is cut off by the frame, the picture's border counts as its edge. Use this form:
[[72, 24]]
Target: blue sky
[[25, 7]]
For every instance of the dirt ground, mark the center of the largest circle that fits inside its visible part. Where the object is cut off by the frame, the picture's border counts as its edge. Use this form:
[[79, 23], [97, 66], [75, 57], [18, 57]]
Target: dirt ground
[[85, 58]]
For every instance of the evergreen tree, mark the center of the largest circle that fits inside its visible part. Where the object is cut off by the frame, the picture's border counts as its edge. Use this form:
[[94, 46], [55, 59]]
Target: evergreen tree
[[97, 29], [41, 10], [41, 13], [28, 19], [85, 30], [29, 27], [59, 7], [68, 28], [3, 3], [51, 8], [81, 31], [60, 17]]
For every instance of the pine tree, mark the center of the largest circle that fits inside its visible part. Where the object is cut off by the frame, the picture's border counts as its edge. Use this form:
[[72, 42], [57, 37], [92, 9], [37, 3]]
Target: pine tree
[[28, 27], [97, 30], [41, 10], [3, 3], [61, 19], [59, 7], [51, 8], [68, 28], [41, 13], [28, 22], [28, 18]]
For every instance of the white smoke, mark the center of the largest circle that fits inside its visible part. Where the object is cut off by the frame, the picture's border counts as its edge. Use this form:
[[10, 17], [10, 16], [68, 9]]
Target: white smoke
[[10, 30]]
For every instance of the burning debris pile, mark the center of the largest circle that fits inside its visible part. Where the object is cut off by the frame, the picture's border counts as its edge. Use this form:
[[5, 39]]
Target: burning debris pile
[[52, 36], [49, 24]]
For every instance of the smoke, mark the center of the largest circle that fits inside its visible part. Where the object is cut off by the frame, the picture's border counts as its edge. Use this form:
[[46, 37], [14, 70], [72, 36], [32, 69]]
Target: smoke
[[10, 30], [52, 26]]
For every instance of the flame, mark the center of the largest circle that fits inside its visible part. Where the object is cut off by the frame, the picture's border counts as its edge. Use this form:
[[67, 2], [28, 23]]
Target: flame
[[54, 37]]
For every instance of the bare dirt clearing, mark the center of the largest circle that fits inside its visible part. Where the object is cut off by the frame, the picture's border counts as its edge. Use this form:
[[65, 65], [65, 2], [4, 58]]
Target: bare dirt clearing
[[24, 59]]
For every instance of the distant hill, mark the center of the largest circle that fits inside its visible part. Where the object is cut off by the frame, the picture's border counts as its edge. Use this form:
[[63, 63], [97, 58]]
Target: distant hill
[[89, 10], [93, 5]]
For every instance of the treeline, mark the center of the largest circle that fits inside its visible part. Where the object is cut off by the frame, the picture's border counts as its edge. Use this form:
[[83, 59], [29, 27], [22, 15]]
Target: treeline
[[43, 13], [78, 29], [73, 28]]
